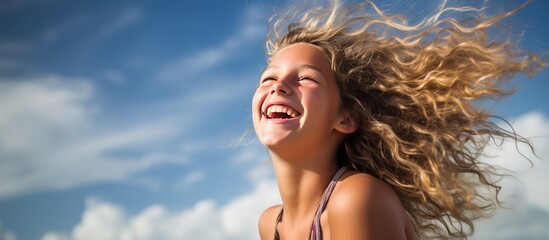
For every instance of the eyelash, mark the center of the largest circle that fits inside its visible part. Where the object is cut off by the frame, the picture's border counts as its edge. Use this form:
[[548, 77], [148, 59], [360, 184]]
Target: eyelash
[[307, 78], [267, 79], [299, 79]]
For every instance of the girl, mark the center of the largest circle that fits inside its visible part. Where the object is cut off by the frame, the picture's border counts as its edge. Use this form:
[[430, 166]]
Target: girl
[[376, 136]]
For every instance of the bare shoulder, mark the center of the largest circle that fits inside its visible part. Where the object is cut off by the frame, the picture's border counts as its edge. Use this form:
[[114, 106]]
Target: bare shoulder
[[267, 222], [364, 207], [364, 190]]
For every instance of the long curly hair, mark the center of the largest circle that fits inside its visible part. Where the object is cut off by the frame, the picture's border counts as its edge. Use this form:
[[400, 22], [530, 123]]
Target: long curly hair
[[414, 92]]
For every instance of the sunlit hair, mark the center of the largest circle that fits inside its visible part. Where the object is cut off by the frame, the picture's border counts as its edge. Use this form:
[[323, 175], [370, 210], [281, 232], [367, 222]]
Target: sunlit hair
[[414, 91]]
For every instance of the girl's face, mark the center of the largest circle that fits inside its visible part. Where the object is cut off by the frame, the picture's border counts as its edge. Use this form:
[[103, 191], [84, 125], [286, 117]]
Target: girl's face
[[297, 100]]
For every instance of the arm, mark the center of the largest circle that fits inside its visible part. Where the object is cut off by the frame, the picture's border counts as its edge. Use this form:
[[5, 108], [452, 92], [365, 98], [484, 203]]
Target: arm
[[363, 207]]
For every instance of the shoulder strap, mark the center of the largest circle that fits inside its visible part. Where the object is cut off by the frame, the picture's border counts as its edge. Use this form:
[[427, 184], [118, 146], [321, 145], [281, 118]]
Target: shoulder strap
[[278, 218], [316, 233]]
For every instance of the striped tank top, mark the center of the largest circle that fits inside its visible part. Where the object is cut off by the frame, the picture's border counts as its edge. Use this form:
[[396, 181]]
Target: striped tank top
[[316, 233]]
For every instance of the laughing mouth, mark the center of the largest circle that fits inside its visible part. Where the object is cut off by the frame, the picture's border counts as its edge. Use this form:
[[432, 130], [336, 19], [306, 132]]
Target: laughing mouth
[[280, 112]]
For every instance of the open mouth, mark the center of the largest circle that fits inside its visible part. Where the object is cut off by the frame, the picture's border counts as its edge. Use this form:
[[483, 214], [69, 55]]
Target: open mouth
[[280, 112]]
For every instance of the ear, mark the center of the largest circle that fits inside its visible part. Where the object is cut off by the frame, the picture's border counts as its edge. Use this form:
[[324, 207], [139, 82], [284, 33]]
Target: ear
[[346, 123]]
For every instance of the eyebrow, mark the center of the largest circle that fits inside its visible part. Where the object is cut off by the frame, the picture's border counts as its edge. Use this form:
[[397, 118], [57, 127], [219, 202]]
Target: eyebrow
[[306, 66]]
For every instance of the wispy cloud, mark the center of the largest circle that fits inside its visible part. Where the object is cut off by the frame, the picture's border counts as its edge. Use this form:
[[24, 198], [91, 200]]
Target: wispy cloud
[[56, 135], [188, 65], [113, 76], [51, 140], [128, 17], [15, 47], [189, 179], [14, 5], [53, 33], [12, 53], [10, 64], [256, 158]]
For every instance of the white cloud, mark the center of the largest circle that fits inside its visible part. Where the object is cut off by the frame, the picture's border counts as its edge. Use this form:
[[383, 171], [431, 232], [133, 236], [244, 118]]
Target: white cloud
[[527, 198], [55, 236], [30, 108], [55, 134], [240, 216], [251, 30], [100, 220], [237, 219], [532, 175], [51, 139], [520, 222]]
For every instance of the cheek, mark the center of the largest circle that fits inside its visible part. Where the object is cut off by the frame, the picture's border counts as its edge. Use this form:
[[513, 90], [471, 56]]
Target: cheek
[[334, 99], [323, 99], [257, 100], [325, 103]]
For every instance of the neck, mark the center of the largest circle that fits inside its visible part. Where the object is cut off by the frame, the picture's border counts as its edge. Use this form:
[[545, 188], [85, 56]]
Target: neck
[[302, 178]]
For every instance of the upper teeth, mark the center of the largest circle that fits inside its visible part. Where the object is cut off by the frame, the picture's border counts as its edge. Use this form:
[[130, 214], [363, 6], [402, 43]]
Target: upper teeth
[[281, 109]]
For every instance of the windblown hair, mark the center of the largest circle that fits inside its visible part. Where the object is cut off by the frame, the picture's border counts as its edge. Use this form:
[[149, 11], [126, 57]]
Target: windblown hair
[[414, 91]]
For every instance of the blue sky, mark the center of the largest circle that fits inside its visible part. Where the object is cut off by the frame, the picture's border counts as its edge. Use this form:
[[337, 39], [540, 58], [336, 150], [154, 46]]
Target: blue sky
[[124, 120]]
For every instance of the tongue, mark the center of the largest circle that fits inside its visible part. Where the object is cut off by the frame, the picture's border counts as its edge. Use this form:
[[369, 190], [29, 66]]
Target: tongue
[[279, 115]]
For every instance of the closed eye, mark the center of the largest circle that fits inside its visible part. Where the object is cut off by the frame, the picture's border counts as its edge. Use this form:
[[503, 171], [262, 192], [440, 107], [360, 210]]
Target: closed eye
[[267, 79], [307, 78]]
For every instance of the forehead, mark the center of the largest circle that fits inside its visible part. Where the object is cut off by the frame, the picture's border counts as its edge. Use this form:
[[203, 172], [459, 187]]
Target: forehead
[[300, 54]]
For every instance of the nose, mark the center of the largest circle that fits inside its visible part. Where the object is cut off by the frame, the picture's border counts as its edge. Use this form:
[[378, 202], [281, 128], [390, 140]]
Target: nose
[[279, 87]]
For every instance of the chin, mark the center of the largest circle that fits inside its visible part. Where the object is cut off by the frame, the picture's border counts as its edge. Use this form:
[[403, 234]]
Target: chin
[[273, 142], [270, 142]]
